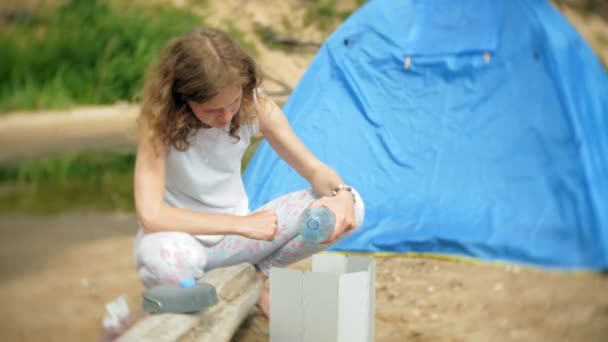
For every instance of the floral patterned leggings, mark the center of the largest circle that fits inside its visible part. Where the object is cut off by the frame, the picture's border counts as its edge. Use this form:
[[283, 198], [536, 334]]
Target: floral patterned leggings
[[168, 257]]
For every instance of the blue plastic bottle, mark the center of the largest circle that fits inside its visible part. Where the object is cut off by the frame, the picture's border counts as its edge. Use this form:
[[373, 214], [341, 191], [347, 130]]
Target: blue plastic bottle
[[316, 224]]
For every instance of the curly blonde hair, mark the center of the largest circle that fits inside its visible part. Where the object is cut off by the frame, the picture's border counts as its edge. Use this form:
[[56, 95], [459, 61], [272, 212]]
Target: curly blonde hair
[[195, 67]]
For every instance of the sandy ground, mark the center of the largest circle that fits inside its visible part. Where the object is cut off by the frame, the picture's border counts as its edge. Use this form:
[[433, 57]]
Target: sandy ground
[[57, 272], [28, 135]]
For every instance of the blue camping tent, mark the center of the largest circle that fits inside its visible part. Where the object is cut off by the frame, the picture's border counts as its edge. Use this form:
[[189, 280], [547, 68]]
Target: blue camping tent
[[473, 127]]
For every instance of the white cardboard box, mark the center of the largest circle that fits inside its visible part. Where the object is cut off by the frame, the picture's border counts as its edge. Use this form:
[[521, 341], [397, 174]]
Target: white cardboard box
[[333, 303]]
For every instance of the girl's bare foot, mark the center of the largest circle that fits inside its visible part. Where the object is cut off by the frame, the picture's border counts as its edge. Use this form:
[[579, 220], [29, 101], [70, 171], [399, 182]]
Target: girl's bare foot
[[264, 302]]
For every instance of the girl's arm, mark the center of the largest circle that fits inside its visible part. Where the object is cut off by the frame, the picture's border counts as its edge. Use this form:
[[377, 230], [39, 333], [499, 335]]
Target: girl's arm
[[155, 216], [276, 129]]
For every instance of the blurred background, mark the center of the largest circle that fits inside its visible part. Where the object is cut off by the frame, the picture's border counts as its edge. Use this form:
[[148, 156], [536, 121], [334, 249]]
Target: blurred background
[[70, 73]]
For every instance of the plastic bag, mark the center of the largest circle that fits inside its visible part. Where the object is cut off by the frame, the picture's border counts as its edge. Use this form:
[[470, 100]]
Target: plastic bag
[[117, 319]]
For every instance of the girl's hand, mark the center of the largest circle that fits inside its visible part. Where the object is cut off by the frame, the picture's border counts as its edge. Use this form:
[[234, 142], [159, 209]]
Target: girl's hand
[[343, 207], [261, 225]]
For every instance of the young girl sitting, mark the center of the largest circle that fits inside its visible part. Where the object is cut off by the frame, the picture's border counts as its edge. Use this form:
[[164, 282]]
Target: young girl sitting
[[201, 106]]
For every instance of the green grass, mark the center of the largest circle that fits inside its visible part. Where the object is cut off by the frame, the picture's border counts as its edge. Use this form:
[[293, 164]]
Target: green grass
[[266, 34], [83, 52], [324, 15], [245, 43], [92, 180], [255, 142], [89, 181]]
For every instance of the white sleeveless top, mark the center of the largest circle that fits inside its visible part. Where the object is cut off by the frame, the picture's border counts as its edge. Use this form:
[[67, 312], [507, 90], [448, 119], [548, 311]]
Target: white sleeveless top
[[207, 176]]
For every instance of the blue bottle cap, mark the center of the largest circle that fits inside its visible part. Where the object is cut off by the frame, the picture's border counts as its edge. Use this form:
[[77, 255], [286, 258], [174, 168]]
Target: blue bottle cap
[[187, 282], [313, 224]]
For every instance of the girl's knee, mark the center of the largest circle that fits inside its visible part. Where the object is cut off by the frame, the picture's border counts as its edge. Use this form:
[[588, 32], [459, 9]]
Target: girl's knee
[[359, 208], [168, 257]]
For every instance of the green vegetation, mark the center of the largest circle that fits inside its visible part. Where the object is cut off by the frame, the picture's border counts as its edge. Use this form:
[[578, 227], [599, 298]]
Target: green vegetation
[[269, 37], [246, 44], [90, 180], [325, 16], [255, 142], [198, 3], [83, 52]]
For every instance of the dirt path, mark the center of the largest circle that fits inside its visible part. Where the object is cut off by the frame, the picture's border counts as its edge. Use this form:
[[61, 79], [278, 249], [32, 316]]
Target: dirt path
[[434, 300], [57, 273], [30, 135]]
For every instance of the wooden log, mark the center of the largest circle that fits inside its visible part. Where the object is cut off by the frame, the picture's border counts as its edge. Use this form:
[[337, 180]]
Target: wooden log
[[238, 288]]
